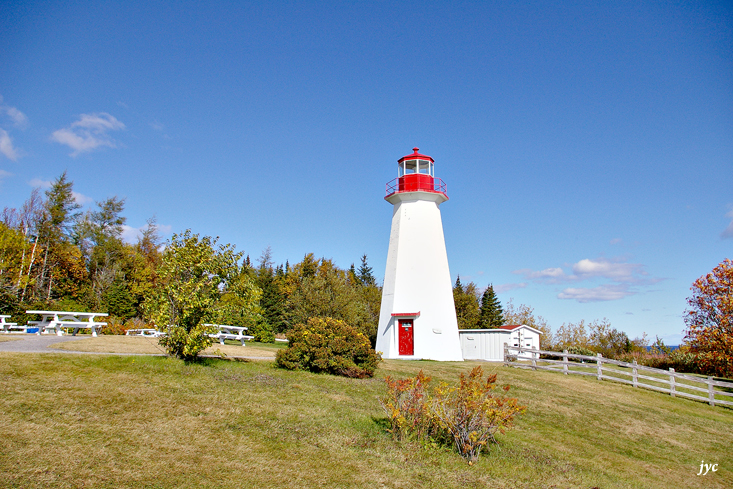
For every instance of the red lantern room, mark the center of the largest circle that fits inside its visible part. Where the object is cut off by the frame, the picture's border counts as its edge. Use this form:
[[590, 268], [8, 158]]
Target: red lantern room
[[416, 173]]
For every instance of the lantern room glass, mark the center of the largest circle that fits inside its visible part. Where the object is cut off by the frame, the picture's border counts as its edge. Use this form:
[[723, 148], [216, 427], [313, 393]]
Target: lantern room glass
[[409, 167]]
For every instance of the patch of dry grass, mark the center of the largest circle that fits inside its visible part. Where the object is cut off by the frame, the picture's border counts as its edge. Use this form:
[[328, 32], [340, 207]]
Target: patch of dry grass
[[143, 345], [7, 337], [90, 421]]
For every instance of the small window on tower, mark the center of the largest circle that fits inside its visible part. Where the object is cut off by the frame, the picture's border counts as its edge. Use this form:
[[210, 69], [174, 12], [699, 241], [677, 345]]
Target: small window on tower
[[410, 166], [423, 167]]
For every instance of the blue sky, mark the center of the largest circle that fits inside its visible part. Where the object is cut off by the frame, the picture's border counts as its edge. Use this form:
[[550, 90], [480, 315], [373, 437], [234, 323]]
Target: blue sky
[[587, 149]]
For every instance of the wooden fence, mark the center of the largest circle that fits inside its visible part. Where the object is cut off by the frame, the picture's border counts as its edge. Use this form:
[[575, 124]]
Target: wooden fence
[[672, 383]]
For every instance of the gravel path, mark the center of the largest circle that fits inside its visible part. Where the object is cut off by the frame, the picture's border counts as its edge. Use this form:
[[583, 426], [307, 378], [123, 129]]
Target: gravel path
[[31, 343]]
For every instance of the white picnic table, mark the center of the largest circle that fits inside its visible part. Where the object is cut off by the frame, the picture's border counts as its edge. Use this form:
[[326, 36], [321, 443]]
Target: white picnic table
[[6, 326], [57, 320], [146, 332], [227, 332]]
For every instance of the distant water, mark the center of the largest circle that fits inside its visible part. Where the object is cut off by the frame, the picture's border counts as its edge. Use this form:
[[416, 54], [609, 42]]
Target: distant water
[[671, 347]]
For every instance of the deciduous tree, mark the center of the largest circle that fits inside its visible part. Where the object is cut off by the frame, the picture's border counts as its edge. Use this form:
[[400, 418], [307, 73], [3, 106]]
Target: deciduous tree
[[191, 276], [466, 303], [709, 319]]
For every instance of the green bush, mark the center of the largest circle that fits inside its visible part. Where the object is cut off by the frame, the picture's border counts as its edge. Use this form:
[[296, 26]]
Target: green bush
[[186, 345], [328, 345], [262, 332]]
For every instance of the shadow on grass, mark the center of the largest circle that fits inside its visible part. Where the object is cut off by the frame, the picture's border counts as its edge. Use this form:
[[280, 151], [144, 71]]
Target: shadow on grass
[[382, 423]]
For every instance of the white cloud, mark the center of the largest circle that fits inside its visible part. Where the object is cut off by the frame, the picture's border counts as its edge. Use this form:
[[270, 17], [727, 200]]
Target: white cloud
[[619, 274], [728, 232], [5, 174], [131, 234], [597, 294], [19, 119], [157, 126], [507, 287], [90, 132], [6, 146], [37, 182], [585, 269], [615, 241], [548, 274], [616, 271], [81, 199]]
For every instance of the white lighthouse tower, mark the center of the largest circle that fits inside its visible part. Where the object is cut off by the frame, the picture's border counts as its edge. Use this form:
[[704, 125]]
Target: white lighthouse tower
[[418, 316]]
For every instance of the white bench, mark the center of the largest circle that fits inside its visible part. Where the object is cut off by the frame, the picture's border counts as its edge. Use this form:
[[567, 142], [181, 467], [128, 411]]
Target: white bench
[[145, 332], [7, 327], [227, 332], [57, 321]]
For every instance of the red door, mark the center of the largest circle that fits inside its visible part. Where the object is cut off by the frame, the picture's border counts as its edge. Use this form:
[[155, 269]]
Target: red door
[[406, 338]]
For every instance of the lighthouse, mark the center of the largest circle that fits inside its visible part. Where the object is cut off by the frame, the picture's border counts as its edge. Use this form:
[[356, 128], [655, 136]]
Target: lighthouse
[[418, 316]]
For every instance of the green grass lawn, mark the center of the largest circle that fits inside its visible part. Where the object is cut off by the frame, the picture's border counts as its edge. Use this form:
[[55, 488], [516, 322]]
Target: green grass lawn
[[113, 421]]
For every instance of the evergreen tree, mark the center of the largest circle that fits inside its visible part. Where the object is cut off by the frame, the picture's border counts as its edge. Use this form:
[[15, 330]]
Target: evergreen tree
[[492, 314], [364, 274]]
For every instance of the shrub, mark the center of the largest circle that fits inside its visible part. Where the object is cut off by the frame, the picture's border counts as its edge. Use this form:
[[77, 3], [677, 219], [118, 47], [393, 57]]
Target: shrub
[[115, 325], [262, 332], [471, 414], [187, 344], [406, 405], [579, 350], [465, 415], [328, 345]]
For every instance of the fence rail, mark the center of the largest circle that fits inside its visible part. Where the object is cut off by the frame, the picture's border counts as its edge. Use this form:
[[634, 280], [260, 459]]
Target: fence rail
[[672, 383]]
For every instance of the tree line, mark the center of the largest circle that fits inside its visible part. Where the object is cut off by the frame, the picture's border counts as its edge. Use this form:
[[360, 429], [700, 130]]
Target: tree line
[[52, 256]]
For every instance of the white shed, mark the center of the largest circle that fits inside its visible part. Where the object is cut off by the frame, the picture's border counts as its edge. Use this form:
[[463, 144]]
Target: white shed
[[488, 344]]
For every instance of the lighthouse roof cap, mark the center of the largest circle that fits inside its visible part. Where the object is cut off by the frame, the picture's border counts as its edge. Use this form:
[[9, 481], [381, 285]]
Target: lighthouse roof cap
[[415, 156]]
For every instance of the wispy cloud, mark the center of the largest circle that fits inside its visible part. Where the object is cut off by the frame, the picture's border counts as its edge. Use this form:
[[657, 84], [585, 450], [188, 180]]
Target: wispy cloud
[[624, 279], [548, 275], [20, 120], [507, 287], [131, 234], [90, 132], [79, 198], [37, 182], [6, 146], [596, 294], [616, 270], [4, 174], [728, 232]]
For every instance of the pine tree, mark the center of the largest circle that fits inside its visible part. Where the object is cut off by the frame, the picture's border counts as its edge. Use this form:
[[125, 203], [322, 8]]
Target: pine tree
[[492, 314], [365, 273]]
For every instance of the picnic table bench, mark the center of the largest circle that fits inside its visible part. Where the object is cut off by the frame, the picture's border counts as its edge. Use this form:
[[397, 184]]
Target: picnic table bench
[[227, 332], [7, 327], [146, 332], [56, 321]]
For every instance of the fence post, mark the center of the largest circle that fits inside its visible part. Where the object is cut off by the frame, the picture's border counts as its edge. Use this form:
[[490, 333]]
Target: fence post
[[534, 360], [600, 368], [506, 355], [671, 382], [635, 378], [565, 362], [711, 393]]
